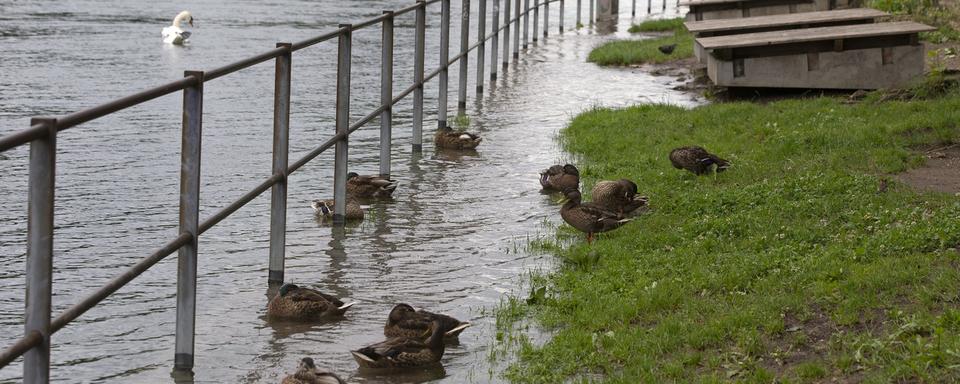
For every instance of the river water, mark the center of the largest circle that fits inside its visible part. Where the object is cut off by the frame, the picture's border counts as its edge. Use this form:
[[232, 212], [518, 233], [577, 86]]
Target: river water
[[452, 240]]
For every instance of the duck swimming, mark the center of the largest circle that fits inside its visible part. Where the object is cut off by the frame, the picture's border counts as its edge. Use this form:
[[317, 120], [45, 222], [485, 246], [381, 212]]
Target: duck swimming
[[308, 373], [404, 321], [369, 185], [447, 138], [404, 352], [173, 34], [304, 304]]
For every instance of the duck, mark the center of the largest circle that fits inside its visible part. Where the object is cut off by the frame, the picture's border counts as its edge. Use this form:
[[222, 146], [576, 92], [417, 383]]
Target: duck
[[447, 138], [173, 34], [404, 321], [308, 373], [369, 185], [560, 177], [588, 217], [618, 196], [667, 49], [404, 352], [293, 302], [324, 208], [697, 160]]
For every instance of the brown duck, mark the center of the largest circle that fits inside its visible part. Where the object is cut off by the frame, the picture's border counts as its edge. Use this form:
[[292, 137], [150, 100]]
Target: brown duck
[[404, 352], [304, 304], [560, 177], [369, 185], [308, 373], [404, 321], [618, 196], [448, 138], [324, 208], [588, 217], [697, 160]]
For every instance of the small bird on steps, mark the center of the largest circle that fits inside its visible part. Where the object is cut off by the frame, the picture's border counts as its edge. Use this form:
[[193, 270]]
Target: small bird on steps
[[667, 49]]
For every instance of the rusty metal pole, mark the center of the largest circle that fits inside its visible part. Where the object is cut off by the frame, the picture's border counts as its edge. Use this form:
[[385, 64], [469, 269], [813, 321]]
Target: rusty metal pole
[[495, 41], [464, 44], [342, 124], [386, 93], [281, 145], [189, 222], [516, 30], [506, 33], [536, 18], [481, 42], [40, 203], [418, 59], [444, 63]]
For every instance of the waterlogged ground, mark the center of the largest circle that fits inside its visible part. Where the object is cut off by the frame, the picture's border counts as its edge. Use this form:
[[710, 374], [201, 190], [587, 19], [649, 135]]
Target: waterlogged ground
[[451, 240]]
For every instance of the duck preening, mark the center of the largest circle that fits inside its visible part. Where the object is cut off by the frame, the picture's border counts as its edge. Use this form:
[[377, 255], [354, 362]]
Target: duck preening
[[588, 217], [293, 302], [697, 160], [324, 208], [560, 177], [447, 138], [308, 373], [173, 34], [404, 321], [404, 352], [618, 196], [369, 185]]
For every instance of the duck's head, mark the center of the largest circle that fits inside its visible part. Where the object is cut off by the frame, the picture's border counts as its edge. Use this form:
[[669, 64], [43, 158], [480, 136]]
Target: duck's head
[[287, 288], [306, 363], [570, 169], [399, 312], [630, 187], [351, 175]]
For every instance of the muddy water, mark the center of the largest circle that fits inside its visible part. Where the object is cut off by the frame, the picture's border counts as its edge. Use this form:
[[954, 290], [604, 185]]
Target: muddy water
[[450, 241]]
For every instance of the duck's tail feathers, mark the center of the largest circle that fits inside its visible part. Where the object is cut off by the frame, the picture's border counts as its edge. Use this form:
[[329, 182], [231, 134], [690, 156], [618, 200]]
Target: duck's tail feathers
[[456, 331], [345, 306]]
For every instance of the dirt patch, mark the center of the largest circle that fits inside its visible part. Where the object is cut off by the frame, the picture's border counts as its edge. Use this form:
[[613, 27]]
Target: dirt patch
[[941, 173]]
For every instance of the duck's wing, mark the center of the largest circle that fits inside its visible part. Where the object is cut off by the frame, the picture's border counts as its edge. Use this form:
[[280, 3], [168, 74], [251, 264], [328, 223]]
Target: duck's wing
[[447, 323], [185, 34], [599, 211], [307, 294]]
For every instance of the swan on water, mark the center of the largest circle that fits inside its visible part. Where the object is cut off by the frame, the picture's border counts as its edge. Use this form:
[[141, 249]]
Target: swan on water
[[174, 34]]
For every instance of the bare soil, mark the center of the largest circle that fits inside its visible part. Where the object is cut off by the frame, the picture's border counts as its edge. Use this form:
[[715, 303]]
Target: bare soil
[[941, 173]]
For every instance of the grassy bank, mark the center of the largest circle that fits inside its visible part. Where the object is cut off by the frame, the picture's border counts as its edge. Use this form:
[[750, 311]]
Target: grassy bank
[[793, 265], [629, 52], [943, 14]]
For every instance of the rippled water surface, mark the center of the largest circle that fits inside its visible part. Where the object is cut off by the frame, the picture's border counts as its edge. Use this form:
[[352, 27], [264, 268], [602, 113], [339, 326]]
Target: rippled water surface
[[450, 241]]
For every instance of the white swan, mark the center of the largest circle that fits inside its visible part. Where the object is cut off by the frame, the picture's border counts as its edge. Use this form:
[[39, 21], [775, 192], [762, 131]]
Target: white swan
[[173, 34]]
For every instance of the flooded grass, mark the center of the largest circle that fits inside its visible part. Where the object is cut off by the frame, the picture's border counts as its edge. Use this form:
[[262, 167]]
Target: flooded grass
[[658, 25], [632, 52], [794, 265]]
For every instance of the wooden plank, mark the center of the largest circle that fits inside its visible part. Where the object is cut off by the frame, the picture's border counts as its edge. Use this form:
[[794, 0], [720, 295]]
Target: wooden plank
[[757, 3], [812, 34], [784, 20]]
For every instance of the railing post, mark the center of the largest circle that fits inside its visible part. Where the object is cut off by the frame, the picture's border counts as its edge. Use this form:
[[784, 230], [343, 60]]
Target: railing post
[[189, 222], [649, 2], [516, 30], [506, 32], [664, 5], [418, 59], [464, 44], [481, 42], [591, 11], [43, 161], [546, 18], [495, 41], [444, 63], [281, 144], [560, 22], [526, 23], [579, 11], [386, 94], [633, 9], [342, 124], [536, 18]]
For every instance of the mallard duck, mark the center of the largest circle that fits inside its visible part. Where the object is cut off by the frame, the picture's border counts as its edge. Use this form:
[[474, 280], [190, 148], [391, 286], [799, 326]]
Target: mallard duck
[[404, 321], [325, 208], [369, 185], [295, 303], [404, 352], [697, 160], [446, 137], [560, 177], [173, 34], [308, 373], [588, 217], [619, 196]]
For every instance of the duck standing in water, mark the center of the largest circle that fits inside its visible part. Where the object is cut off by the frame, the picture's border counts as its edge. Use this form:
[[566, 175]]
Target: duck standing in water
[[324, 208], [304, 304], [173, 34], [447, 138], [618, 196], [404, 352], [369, 186], [560, 177], [588, 217], [308, 373], [404, 321], [697, 160]]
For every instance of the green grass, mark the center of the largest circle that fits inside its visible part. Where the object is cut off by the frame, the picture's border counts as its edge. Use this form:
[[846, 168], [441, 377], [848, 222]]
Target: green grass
[[790, 266], [944, 15], [628, 52], [658, 25]]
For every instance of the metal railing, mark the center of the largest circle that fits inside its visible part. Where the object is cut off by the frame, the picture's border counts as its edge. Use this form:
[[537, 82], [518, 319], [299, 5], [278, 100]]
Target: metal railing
[[34, 346]]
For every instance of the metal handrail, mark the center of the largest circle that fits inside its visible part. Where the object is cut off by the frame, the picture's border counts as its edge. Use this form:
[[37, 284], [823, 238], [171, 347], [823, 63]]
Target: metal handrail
[[46, 130]]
